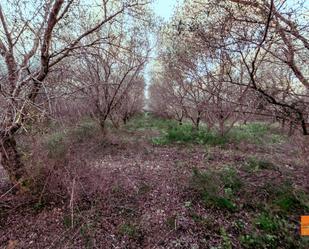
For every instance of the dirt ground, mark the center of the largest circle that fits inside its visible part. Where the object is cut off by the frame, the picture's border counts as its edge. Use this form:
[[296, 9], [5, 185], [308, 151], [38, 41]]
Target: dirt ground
[[140, 197]]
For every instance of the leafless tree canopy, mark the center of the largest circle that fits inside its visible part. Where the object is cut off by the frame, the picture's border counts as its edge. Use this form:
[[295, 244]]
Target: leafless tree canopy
[[66, 48], [225, 61]]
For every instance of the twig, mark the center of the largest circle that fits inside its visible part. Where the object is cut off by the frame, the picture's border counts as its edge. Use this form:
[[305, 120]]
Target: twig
[[9, 190], [72, 204]]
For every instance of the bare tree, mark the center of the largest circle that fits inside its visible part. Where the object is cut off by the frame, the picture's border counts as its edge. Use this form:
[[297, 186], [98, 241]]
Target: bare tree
[[257, 37], [109, 74], [34, 37]]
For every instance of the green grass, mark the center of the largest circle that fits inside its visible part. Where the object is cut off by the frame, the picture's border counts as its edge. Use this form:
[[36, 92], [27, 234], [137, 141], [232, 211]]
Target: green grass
[[172, 132], [285, 199], [147, 121], [86, 129], [259, 241], [256, 133], [55, 145], [187, 134], [130, 229], [226, 241], [266, 222], [217, 189], [271, 224], [276, 222], [273, 231], [254, 164], [184, 134]]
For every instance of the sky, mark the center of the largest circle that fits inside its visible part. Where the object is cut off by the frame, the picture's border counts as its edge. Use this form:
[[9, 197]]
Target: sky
[[164, 8]]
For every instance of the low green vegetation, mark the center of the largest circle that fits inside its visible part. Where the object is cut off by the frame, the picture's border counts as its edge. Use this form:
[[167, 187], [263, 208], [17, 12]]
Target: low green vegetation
[[257, 133], [270, 230], [226, 241], [57, 143], [217, 189], [270, 224], [172, 132], [254, 164], [147, 121], [131, 230], [240, 200], [84, 130], [286, 199]]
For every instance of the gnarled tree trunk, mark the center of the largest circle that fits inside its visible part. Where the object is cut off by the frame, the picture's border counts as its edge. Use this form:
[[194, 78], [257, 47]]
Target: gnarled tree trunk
[[11, 161]]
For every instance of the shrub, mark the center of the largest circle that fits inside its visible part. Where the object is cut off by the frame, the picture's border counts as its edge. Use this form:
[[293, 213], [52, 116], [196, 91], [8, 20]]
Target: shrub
[[267, 222], [257, 133], [55, 145], [187, 134], [83, 131], [285, 199], [258, 241], [272, 231]]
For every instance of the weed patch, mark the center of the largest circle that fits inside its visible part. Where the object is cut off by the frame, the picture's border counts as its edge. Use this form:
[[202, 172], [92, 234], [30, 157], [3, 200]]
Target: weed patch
[[55, 145], [256, 133], [83, 131], [284, 198], [130, 230], [217, 189], [254, 164]]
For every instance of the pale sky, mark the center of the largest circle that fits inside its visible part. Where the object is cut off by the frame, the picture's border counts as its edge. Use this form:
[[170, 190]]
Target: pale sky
[[164, 8]]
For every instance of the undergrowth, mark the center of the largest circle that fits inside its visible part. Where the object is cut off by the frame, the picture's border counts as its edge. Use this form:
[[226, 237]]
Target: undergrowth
[[271, 224], [173, 132]]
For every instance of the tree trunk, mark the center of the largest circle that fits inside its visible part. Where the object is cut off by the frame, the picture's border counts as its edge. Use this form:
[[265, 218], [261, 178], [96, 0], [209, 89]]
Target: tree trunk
[[180, 121], [304, 127], [291, 129], [221, 127], [103, 125], [11, 162], [124, 120], [283, 124], [197, 123]]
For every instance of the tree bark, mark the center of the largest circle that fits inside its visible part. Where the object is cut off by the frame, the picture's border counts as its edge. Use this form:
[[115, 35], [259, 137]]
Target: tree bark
[[197, 124], [304, 127], [102, 123], [10, 160]]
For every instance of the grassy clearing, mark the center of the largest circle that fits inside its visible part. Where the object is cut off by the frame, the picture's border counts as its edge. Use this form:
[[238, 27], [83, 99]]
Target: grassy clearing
[[285, 199], [147, 121]]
